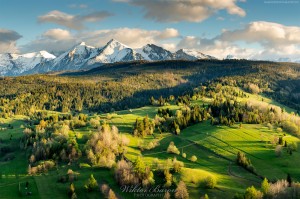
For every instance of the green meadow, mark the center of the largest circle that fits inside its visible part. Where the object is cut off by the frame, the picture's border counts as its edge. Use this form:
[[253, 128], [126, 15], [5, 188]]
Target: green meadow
[[215, 147]]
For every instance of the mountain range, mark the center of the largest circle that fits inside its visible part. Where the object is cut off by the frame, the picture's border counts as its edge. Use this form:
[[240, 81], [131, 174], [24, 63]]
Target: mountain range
[[82, 57]]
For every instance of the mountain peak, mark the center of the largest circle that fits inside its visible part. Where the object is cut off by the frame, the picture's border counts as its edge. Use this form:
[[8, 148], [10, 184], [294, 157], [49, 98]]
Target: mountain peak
[[82, 56], [114, 42], [189, 54], [47, 55]]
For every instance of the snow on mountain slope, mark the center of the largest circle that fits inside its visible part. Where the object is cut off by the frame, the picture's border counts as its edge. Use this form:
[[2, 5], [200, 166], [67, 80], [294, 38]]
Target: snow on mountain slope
[[28, 61], [85, 57], [5, 63], [187, 54], [151, 52], [73, 59], [114, 51], [14, 64]]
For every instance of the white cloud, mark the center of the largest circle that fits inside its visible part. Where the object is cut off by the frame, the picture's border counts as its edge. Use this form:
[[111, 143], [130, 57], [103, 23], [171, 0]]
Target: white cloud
[[185, 10], [266, 33], [168, 33], [257, 40], [169, 46], [272, 41], [216, 48], [57, 34], [75, 22], [8, 40], [55, 40], [133, 37]]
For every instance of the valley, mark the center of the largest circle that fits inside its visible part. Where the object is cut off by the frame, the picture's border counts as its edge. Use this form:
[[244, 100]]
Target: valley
[[215, 127]]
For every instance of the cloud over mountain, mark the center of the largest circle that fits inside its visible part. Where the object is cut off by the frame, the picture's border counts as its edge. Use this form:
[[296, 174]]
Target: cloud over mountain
[[75, 22], [57, 40], [185, 10], [8, 40], [271, 41]]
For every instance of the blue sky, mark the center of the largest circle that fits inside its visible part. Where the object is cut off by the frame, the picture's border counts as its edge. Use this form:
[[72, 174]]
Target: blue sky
[[263, 29]]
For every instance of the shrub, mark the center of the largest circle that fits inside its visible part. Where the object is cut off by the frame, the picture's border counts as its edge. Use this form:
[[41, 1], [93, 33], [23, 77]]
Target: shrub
[[253, 88], [167, 195], [210, 182], [104, 188], [94, 123], [92, 184], [111, 194], [243, 161], [265, 186], [277, 188], [177, 165], [173, 149], [168, 178], [107, 192], [71, 190], [290, 127], [181, 191], [193, 158], [252, 193], [278, 150], [124, 173]]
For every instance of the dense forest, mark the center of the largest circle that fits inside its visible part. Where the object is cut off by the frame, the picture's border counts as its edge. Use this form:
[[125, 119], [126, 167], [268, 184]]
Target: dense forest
[[129, 85]]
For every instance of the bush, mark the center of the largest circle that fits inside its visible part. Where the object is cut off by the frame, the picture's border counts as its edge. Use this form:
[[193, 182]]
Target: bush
[[277, 188], [173, 149], [243, 161], [177, 165], [92, 184], [278, 150], [290, 127], [181, 191], [252, 193], [94, 123], [193, 158], [124, 173], [210, 182], [265, 186], [253, 88]]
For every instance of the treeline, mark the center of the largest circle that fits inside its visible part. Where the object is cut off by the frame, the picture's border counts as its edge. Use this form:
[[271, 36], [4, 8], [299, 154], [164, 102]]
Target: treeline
[[123, 86], [30, 94]]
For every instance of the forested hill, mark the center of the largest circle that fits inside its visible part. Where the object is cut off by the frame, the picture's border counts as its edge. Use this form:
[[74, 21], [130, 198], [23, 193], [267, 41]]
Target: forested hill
[[219, 67], [128, 85]]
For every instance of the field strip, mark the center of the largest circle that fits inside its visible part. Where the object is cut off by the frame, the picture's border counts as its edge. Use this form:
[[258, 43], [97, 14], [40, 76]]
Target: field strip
[[167, 151], [236, 148], [240, 177]]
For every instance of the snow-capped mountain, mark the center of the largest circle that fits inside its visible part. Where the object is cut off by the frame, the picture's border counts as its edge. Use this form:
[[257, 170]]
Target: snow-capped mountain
[[114, 51], [191, 55], [151, 52], [15, 64], [72, 59], [83, 56]]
